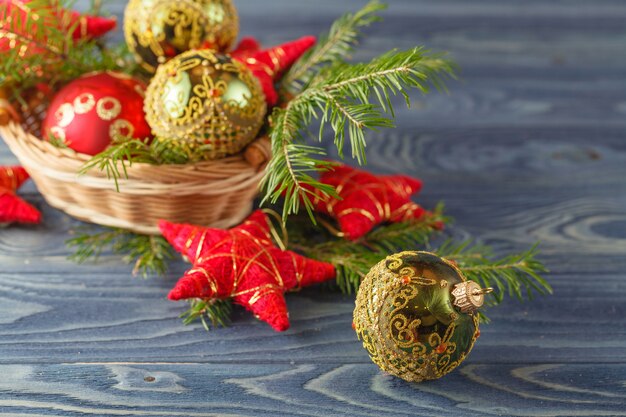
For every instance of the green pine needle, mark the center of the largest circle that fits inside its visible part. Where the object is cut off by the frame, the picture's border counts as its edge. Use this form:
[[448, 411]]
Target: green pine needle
[[518, 275], [337, 45], [117, 158], [148, 254], [353, 260], [211, 313], [60, 57], [339, 97]]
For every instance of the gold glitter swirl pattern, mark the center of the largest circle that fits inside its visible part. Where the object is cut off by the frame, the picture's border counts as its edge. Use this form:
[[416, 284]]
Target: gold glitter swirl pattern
[[405, 318], [205, 100], [157, 30]]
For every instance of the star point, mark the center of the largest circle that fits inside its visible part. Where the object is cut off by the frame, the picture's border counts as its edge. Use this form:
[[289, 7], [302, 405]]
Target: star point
[[12, 208]]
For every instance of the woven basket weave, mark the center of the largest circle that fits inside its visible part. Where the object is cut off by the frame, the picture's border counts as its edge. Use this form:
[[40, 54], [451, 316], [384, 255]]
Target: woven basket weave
[[213, 193]]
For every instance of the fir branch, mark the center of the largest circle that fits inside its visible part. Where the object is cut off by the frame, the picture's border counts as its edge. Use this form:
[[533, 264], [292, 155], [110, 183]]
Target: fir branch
[[119, 157], [211, 313], [519, 275], [149, 254], [44, 51], [340, 96], [332, 47], [353, 260]]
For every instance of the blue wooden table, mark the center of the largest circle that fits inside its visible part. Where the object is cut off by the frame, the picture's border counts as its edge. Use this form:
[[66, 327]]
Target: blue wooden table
[[530, 145]]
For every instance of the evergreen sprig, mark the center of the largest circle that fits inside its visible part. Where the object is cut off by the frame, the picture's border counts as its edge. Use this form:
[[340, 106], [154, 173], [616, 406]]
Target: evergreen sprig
[[55, 55], [354, 259], [518, 275], [120, 156], [339, 96], [148, 254], [332, 47], [211, 313]]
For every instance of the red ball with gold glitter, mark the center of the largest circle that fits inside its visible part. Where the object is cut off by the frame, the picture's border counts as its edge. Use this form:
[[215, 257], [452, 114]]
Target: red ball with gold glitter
[[95, 110]]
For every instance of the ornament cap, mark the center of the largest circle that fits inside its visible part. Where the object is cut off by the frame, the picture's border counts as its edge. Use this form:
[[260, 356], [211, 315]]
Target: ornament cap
[[469, 296]]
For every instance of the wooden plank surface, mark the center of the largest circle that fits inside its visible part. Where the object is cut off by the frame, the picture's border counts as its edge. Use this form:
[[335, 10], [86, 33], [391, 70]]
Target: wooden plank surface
[[529, 145]]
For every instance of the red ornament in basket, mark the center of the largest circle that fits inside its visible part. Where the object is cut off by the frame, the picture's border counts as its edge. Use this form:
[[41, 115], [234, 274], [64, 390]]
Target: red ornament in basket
[[96, 109]]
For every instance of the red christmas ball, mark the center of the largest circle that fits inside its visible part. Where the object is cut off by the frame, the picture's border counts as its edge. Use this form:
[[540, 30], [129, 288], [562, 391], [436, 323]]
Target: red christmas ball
[[96, 109]]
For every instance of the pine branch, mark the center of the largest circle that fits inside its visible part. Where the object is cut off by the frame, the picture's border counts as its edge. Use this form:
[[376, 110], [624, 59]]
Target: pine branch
[[44, 51], [519, 275], [353, 260], [332, 47], [212, 313], [339, 96], [149, 254], [119, 157]]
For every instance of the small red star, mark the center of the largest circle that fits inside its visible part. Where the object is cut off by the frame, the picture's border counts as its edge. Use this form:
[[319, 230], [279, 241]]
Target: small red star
[[12, 208], [367, 200], [270, 64], [242, 263]]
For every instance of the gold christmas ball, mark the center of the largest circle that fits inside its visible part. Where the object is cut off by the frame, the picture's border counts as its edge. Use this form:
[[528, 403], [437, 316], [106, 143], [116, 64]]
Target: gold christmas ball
[[158, 30], [206, 102], [416, 315]]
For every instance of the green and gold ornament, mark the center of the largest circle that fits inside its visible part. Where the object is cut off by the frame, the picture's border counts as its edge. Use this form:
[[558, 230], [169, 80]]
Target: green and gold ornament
[[416, 315], [158, 30], [205, 103]]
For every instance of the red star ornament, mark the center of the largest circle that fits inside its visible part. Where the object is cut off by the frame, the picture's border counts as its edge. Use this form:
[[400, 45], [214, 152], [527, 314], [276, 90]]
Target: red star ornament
[[242, 263], [12, 208], [270, 64], [367, 200]]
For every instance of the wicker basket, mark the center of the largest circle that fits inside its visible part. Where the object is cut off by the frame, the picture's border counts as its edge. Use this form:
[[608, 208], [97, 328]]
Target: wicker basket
[[214, 193]]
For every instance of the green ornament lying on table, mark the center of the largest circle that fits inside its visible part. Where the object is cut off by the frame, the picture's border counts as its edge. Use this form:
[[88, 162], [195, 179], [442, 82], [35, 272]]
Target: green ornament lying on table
[[417, 315]]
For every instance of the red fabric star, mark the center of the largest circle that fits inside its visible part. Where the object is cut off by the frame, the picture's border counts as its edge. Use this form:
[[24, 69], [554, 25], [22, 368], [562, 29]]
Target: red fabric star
[[269, 65], [242, 263], [367, 200], [12, 208]]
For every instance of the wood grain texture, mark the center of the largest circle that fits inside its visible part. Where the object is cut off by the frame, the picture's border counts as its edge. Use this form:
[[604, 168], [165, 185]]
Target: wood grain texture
[[529, 145]]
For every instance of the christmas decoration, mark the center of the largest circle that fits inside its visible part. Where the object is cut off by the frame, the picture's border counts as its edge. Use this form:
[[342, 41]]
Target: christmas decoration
[[268, 65], [158, 30], [91, 112], [83, 26], [416, 315], [209, 103], [246, 46], [205, 101], [12, 208], [242, 263], [366, 200]]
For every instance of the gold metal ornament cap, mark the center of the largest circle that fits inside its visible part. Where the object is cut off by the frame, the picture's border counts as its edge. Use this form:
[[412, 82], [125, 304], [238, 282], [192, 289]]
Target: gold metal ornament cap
[[469, 296]]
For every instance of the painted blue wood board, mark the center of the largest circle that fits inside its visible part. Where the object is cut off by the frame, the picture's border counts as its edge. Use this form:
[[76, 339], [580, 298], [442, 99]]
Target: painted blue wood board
[[529, 145]]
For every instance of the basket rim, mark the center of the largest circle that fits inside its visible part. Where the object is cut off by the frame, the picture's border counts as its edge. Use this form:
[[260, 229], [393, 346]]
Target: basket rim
[[40, 156]]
